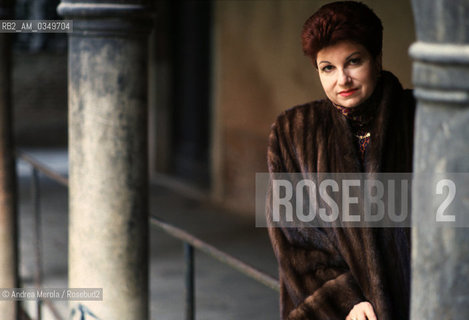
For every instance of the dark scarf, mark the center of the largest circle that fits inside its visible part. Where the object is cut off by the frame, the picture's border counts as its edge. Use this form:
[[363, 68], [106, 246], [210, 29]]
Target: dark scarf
[[360, 118]]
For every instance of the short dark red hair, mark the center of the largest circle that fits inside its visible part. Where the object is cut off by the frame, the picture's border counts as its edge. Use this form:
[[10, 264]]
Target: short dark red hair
[[342, 20]]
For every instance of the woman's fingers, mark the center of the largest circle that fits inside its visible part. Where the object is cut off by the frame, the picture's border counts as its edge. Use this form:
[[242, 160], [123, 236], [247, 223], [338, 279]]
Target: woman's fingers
[[369, 312], [362, 311], [370, 315], [359, 315]]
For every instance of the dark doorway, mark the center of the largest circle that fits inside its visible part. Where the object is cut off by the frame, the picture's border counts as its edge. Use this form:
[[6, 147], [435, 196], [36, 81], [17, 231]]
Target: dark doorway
[[184, 42], [191, 91]]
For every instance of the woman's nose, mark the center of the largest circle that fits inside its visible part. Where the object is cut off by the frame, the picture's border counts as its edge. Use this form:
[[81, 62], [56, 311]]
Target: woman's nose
[[344, 78]]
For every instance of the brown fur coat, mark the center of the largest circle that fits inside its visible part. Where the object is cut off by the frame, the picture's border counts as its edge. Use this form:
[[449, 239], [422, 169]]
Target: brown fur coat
[[324, 272]]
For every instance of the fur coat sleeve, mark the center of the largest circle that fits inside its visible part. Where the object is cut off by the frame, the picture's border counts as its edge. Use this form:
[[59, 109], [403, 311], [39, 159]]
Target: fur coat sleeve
[[324, 272]]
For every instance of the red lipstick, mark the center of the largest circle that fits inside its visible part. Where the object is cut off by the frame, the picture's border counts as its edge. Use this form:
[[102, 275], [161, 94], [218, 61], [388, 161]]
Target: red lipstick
[[347, 93]]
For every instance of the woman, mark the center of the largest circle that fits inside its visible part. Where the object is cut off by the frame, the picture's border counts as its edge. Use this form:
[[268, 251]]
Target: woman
[[364, 125]]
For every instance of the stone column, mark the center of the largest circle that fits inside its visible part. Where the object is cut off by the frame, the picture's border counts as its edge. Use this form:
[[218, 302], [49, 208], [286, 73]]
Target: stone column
[[8, 208], [108, 224], [440, 254]]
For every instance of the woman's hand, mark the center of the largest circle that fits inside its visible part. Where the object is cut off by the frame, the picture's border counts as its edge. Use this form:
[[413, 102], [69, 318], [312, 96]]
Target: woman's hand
[[362, 311]]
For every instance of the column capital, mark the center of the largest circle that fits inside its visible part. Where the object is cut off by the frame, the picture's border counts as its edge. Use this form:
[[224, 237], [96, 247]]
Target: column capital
[[440, 71], [109, 18]]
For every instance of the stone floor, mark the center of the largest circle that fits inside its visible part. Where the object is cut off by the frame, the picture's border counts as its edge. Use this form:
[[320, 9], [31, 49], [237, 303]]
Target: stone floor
[[221, 292]]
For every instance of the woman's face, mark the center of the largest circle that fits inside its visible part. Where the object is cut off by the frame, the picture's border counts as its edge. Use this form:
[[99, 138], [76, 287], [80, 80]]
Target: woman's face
[[348, 73]]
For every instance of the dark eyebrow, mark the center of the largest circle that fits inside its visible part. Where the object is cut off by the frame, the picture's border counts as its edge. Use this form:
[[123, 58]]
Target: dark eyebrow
[[351, 55]]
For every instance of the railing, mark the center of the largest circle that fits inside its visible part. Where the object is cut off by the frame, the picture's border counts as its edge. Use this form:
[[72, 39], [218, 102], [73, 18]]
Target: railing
[[37, 168], [190, 243]]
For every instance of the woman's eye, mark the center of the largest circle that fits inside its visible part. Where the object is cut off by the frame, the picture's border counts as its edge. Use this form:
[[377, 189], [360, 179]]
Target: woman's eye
[[355, 61], [327, 68]]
